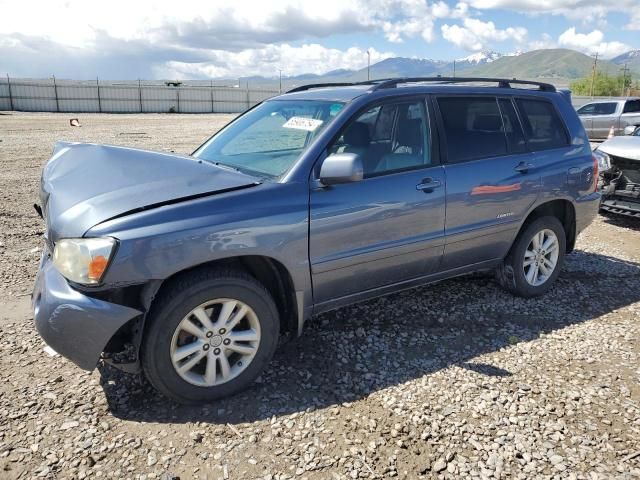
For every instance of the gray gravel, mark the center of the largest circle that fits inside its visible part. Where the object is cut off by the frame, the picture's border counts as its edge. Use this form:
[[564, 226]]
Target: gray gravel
[[453, 380]]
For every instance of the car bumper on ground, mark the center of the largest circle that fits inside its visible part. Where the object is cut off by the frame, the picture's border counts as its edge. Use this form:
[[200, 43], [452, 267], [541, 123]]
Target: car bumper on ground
[[76, 326], [621, 207]]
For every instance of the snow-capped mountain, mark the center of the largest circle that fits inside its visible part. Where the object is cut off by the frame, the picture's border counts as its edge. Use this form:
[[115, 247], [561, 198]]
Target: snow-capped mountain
[[631, 59], [480, 58], [632, 56]]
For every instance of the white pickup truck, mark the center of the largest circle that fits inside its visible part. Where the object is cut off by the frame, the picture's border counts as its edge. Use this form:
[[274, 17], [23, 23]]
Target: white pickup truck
[[599, 116]]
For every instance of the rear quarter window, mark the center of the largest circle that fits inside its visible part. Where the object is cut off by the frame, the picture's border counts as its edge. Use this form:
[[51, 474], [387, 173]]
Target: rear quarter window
[[543, 127]]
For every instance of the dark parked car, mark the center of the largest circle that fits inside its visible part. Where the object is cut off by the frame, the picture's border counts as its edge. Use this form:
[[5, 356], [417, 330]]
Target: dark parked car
[[324, 196]]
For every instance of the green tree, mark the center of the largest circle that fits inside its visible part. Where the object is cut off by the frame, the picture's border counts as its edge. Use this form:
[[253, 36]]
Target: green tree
[[603, 85]]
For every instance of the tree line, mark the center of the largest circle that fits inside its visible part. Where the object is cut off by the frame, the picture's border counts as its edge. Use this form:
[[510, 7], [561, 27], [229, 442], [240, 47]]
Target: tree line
[[603, 84]]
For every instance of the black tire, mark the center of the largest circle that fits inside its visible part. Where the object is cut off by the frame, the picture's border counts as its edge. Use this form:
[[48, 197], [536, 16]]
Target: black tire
[[511, 275], [176, 301]]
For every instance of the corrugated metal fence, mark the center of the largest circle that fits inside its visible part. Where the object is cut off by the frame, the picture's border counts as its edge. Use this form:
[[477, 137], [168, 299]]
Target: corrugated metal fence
[[131, 97], [52, 95]]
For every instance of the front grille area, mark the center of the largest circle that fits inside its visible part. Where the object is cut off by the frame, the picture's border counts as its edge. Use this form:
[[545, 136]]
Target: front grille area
[[626, 175]]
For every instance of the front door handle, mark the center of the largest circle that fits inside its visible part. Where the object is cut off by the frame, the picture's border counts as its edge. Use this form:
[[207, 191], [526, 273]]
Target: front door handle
[[523, 167], [428, 184]]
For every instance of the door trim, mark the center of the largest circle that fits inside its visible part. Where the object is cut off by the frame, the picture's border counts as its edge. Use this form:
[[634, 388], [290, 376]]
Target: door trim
[[373, 254], [400, 286]]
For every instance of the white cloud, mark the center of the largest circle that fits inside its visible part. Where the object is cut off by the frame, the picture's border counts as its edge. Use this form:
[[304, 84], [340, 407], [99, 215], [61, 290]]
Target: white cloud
[[442, 10], [396, 32], [198, 37], [308, 58], [125, 38], [585, 11], [591, 43], [402, 19], [570, 38], [237, 25], [187, 22], [634, 21], [545, 41], [473, 35]]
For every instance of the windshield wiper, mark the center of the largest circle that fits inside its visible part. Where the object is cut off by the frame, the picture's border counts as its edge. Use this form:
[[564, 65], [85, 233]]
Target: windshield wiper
[[244, 171], [227, 166]]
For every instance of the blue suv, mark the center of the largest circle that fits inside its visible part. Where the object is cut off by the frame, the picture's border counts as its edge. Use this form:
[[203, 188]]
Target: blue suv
[[327, 195]]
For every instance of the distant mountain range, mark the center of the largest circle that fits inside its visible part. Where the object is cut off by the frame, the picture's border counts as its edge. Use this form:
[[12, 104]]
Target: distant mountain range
[[631, 58], [558, 65]]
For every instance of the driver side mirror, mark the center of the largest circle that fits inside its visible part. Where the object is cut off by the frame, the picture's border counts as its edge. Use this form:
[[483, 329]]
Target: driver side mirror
[[630, 129], [341, 168]]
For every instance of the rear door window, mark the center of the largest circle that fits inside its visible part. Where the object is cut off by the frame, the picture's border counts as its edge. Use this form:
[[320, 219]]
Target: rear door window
[[512, 129], [472, 128], [632, 106], [543, 128]]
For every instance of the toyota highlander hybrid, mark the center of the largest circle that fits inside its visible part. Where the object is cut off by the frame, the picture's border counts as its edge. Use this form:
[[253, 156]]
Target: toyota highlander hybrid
[[321, 197]]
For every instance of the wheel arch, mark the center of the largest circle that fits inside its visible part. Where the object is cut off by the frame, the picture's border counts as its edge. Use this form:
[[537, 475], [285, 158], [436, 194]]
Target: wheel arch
[[563, 210], [267, 270]]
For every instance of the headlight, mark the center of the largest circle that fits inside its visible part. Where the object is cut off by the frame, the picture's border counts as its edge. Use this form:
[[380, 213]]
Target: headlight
[[83, 260], [604, 162]]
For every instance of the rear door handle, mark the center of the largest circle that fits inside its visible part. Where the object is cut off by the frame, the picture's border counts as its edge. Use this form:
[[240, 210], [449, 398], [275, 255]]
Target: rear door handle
[[523, 167], [428, 184]]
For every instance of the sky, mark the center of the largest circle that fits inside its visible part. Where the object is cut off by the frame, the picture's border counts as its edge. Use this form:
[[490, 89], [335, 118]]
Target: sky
[[195, 39]]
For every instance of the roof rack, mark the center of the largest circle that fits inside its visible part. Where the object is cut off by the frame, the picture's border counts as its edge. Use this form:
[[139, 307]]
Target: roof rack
[[502, 82], [394, 82], [302, 88]]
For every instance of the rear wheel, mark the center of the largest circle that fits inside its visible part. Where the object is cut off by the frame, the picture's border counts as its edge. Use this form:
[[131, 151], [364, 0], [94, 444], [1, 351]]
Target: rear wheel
[[211, 335], [535, 259]]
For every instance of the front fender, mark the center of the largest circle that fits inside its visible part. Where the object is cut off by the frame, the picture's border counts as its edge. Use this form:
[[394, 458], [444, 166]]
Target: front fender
[[270, 220]]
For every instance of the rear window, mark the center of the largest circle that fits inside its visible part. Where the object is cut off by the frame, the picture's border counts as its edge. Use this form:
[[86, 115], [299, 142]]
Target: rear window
[[543, 128], [473, 128]]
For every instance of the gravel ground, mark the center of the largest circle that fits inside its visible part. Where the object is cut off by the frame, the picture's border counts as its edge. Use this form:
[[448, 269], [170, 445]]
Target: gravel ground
[[452, 380]]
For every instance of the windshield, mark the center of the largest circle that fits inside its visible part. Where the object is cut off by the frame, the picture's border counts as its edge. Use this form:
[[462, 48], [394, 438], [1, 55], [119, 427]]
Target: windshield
[[269, 139]]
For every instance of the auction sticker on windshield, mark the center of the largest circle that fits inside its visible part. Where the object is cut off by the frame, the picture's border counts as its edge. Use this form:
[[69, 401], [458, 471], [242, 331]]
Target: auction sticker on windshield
[[302, 123]]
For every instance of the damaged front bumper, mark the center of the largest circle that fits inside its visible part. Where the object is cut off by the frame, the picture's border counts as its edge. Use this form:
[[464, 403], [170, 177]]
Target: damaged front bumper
[[620, 187], [75, 325]]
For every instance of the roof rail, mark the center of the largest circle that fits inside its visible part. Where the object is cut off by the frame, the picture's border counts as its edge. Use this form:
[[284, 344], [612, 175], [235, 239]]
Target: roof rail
[[380, 84], [302, 88], [502, 82]]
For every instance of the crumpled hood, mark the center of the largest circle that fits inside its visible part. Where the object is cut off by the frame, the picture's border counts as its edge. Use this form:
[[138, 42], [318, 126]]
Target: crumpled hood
[[85, 184], [625, 147]]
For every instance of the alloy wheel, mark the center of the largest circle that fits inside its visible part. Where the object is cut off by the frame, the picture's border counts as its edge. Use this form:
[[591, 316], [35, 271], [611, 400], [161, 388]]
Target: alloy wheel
[[215, 342], [541, 257]]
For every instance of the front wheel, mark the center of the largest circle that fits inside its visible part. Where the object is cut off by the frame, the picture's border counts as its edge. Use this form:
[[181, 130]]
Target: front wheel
[[210, 335], [535, 259]]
